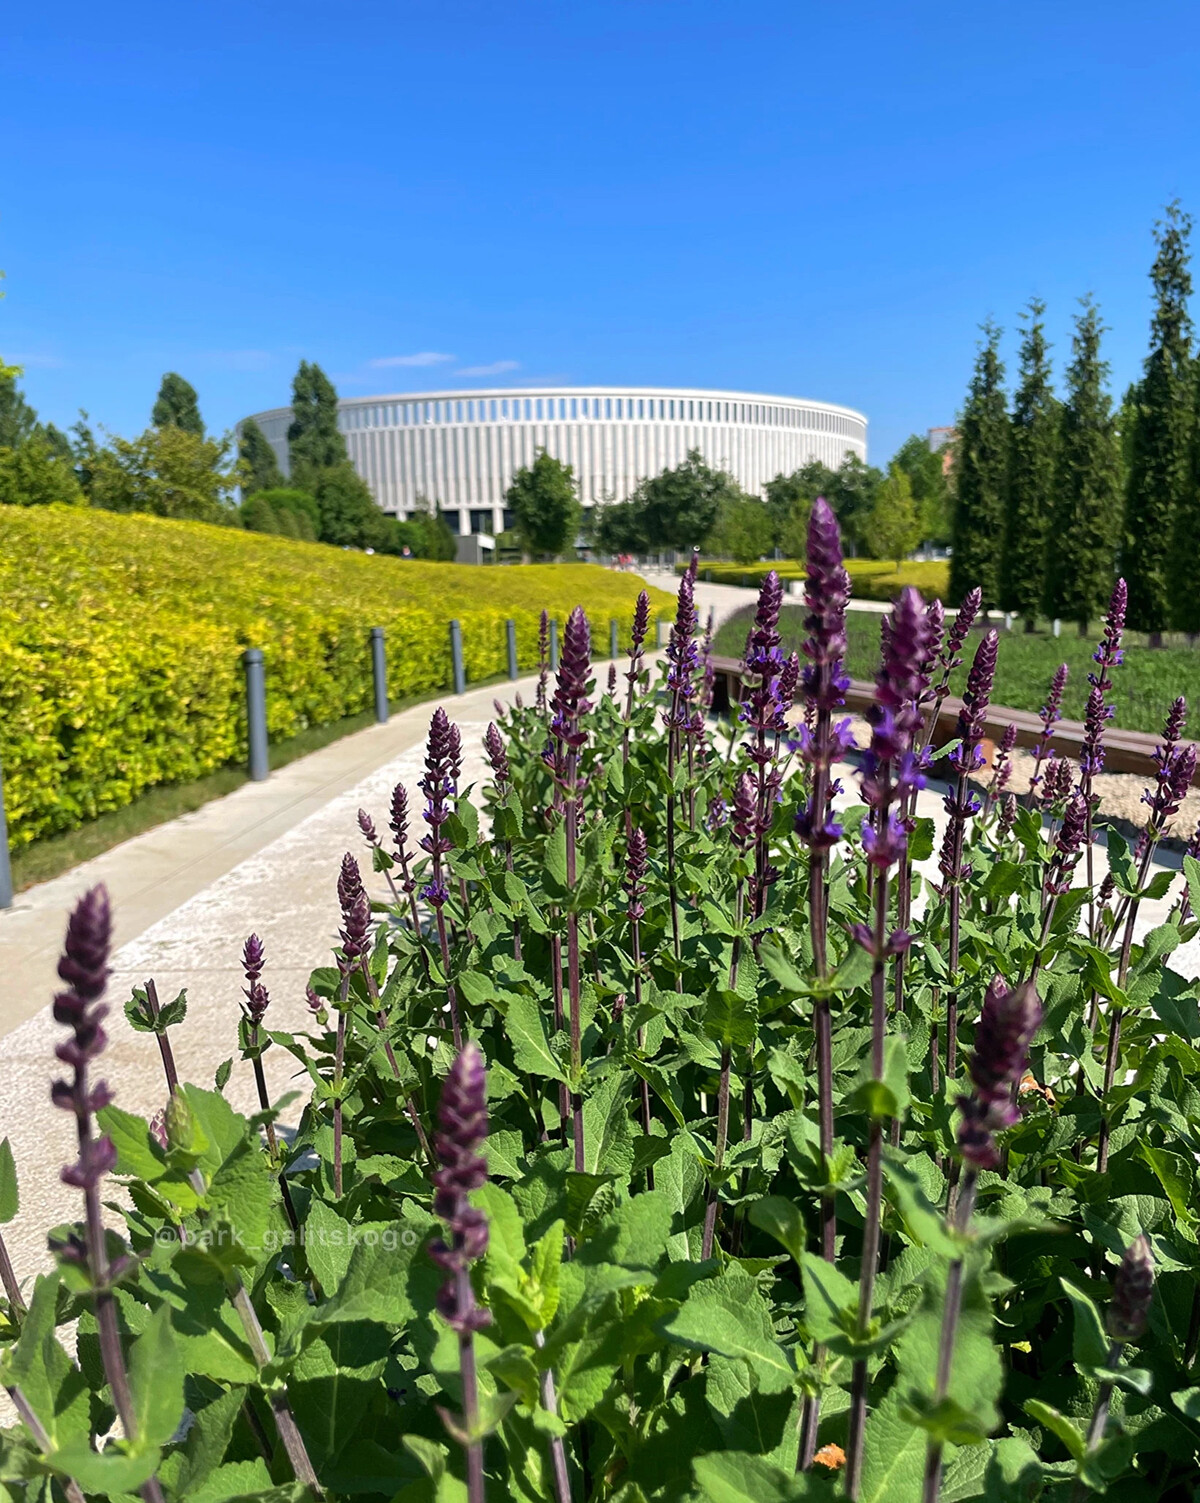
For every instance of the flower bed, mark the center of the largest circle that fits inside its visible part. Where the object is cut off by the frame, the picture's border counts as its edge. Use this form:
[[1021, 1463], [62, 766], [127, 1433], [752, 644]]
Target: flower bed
[[676, 1141], [121, 639]]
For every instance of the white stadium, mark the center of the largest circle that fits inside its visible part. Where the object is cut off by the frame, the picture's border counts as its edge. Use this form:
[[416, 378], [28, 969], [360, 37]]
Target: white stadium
[[461, 448]]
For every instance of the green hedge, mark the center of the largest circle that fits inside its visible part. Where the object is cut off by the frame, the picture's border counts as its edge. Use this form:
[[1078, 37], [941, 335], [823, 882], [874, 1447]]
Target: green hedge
[[121, 639]]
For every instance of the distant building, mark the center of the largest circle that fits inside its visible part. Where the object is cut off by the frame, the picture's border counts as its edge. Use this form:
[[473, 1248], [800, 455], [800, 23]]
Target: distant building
[[460, 448]]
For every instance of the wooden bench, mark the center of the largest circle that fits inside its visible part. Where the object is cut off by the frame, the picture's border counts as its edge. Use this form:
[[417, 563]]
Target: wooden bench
[[1124, 751]]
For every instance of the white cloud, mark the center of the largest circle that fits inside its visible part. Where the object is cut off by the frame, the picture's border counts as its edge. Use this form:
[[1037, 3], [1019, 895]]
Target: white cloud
[[497, 368], [422, 357]]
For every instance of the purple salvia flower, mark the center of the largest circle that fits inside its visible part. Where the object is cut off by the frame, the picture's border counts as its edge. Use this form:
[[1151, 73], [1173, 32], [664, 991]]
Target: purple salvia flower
[[1003, 1035], [570, 700], [369, 833], [612, 681], [1110, 654], [683, 658], [635, 872], [356, 912], [744, 820], [1007, 817], [641, 624], [543, 661], [398, 819], [964, 619], [84, 967], [1002, 766], [438, 787], [1050, 714], [718, 814], [1133, 1293], [257, 997], [826, 592], [462, 1132], [972, 718], [891, 768], [1067, 845], [787, 684], [493, 745], [1176, 768]]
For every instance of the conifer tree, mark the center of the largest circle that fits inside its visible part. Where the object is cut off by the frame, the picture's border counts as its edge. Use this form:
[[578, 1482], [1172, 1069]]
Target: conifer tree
[[260, 468], [981, 474], [315, 442], [1086, 521], [1032, 457], [1159, 451], [177, 406]]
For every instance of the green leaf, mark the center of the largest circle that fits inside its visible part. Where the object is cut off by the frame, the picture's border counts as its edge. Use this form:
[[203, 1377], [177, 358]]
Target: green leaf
[[728, 1316], [1187, 1400], [375, 1286], [780, 1219], [1122, 865], [108, 1472], [1066, 1429], [1191, 872], [138, 1155], [1176, 1176], [830, 1299], [531, 1053], [156, 1374], [10, 1201], [1090, 1343], [889, 1097], [741, 1477], [50, 1381], [893, 1455], [781, 970], [730, 1020]]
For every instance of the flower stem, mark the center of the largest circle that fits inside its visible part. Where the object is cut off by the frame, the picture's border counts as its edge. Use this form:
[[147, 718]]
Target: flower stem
[[558, 1454], [164, 1043], [950, 1316]]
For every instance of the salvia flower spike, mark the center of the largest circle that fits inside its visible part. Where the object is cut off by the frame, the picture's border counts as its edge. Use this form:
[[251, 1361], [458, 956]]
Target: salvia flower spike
[[822, 743], [438, 784], [83, 967], [461, 1135], [1125, 1321]]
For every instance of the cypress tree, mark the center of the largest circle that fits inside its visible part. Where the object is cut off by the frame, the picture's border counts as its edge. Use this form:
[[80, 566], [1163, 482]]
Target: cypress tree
[[177, 406], [981, 473], [1086, 524], [1159, 450], [260, 468], [1181, 574], [314, 441], [1032, 457]]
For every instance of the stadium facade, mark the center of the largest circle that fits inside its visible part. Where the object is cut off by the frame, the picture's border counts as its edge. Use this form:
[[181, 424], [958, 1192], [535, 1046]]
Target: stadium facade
[[461, 448]]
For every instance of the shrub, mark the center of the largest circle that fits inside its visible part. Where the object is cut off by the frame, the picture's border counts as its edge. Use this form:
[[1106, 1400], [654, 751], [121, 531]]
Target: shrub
[[870, 579], [670, 1141], [120, 640], [37, 475]]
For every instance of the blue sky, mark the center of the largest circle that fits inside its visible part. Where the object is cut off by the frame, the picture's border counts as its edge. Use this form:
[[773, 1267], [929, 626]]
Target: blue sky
[[814, 199]]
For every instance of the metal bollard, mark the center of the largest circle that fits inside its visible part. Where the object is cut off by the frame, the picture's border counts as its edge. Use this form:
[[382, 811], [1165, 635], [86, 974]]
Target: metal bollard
[[554, 647], [614, 639], [6, 885], [460, 677], [657, 632], [379, 673], [1008, 621], [256, 713], [1057, 627], [510, 629]]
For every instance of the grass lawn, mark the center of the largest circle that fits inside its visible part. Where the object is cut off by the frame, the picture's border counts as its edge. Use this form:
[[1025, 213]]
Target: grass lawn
[[1147, 682]]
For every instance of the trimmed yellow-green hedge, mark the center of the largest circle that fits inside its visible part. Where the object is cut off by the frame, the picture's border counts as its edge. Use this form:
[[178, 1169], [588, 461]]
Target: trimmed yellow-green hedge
[[870, 578], [121, 641]]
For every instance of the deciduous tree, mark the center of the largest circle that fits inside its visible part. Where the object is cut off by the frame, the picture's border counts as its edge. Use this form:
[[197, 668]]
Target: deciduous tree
[[35, 475], [168, 471], [545, 505], [893, 527], [981, 476], [1086, 519], [1159, 459], [679, 506]]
